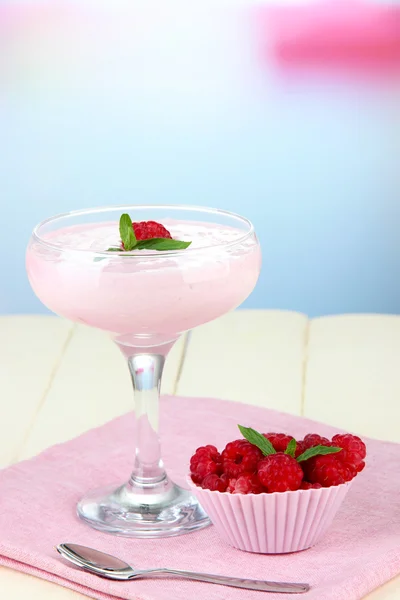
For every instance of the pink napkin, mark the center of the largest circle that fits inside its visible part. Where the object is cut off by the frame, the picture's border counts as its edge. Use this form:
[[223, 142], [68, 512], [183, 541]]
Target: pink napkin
[[38, 497]]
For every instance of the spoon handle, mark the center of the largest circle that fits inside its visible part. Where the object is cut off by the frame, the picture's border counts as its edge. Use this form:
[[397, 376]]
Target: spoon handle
[[246, 584]]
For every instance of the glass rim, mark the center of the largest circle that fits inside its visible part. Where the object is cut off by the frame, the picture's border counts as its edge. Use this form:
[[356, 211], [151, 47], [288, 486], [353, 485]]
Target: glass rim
[[123, 207]]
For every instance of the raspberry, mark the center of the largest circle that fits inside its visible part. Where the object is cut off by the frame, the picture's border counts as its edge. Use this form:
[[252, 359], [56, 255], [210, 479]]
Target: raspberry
[[214, 483], [306, 485], [313, 439], [146, 230], [360, 467], [300, 448], [328, 470], [353, 450], [205, 461], [278, 440], [280, 473], [240, 457], [245, 484]]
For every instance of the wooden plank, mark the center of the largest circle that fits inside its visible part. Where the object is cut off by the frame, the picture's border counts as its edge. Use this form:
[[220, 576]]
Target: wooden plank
[[251, 356], [389, 591], [353, 381], [91, 387], [353, 375], [31, 347]]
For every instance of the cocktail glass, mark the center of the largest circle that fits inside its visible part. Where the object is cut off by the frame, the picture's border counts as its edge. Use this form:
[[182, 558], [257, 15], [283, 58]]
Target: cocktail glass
[[145, 300]]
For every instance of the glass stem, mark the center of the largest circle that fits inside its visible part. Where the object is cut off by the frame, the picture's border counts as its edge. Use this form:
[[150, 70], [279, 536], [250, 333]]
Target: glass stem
[[146, 372]]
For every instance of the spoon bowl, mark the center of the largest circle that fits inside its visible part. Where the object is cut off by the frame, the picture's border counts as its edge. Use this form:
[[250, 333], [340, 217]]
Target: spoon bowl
[[97, 562]]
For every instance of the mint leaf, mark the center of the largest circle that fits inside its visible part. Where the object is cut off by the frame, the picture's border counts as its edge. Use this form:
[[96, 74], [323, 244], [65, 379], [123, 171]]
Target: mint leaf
[[256, 438], [291, 447], [126, 232], [113, 249], [161, 244], [317, 451]]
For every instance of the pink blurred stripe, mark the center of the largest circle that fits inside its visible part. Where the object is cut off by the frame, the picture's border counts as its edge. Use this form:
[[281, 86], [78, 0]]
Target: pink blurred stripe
[[348, 33]]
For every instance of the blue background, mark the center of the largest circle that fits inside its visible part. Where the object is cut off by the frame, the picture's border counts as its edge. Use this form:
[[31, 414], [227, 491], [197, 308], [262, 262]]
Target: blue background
[[96, 110]]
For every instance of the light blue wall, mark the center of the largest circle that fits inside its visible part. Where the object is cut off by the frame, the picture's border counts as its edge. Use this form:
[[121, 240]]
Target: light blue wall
[[188, 114]]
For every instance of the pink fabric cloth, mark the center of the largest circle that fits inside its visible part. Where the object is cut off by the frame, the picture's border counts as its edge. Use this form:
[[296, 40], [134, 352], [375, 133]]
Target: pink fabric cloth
[[38, 497]]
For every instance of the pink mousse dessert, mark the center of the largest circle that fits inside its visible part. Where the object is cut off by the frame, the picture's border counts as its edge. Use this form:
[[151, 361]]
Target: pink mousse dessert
[[145, 275]]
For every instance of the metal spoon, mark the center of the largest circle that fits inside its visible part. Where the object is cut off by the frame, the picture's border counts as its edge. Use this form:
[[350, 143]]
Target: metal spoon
[[112, 567]]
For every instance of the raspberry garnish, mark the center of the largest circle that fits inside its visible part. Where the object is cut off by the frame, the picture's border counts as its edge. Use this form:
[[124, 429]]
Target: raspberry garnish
[[300, 448], [306, 485], [147, 230], [214, 483], [144, 235], [278, 440], [240, 457], [205, 461], [328, 470], [245, 484], [313, 439], [280, 473], [353, 450]]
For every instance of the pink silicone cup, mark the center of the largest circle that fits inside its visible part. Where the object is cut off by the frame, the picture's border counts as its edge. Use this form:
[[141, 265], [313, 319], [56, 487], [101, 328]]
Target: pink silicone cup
[[272, 523]]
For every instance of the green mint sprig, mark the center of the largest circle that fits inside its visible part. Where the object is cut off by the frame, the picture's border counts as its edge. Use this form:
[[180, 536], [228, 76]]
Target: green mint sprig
[[317, 451], [161, 244], [127, 233], [291, 448], [131, 243], [256, 438]]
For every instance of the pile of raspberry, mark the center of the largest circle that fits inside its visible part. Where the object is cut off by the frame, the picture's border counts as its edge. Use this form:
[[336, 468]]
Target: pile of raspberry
[[244, 467]]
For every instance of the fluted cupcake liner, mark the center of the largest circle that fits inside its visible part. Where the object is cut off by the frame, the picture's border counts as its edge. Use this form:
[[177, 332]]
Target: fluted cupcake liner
[[272, 523]]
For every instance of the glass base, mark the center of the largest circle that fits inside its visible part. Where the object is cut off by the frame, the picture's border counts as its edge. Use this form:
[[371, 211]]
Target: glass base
[[130, 511]]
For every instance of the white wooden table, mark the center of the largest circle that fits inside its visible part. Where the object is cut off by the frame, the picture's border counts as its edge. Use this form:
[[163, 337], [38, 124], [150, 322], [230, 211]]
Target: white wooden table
[[58, 380]]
